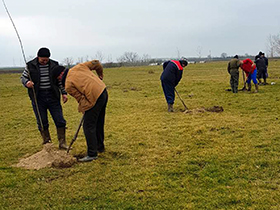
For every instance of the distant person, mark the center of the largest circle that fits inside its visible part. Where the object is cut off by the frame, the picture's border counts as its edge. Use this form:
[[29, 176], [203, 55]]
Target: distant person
[[38, 75], [90, 92], [266, 66], [258, 56], [170, 77], [233, 67], [250, 69], [261, 68]]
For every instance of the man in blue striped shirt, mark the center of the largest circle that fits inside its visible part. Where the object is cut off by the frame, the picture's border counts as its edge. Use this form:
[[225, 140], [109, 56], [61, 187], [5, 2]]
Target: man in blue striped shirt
[[46, 90]]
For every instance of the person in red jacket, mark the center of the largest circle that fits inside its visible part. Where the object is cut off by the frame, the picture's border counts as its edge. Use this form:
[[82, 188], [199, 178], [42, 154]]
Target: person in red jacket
[[249, 67]]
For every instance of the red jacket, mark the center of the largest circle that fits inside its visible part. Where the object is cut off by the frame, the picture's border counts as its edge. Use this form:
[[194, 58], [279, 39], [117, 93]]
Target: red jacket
[[247, 66]]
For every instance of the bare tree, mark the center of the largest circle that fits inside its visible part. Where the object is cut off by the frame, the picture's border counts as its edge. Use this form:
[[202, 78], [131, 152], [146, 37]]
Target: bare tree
[[277, 43], [87, 58], [270, 46], [68, 62], [99, 56], [273, 45], [146, 58], [129, 57], [199, 51], [110, 59], [80, 60], [178, 53], [223, 55], [209, 56]]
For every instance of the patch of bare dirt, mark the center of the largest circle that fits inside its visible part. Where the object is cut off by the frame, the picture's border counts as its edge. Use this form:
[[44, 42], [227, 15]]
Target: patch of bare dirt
[[49, 156], [203, 109]]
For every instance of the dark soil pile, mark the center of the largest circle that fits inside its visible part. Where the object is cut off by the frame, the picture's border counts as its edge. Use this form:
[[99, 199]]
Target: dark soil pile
[[203, 109], [49, 156]]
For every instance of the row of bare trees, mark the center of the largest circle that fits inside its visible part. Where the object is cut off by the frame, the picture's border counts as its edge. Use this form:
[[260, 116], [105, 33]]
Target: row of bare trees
[[127, 57]]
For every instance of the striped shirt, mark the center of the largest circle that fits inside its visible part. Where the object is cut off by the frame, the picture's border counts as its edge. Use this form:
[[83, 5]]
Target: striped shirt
[[45, 82], [25, 78]]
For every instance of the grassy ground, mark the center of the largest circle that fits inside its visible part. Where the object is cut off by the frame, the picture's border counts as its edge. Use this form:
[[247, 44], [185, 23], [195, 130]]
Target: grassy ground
[[153, 159]]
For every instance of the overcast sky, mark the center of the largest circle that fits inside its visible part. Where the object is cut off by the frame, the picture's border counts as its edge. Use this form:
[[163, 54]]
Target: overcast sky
[[160, 28]]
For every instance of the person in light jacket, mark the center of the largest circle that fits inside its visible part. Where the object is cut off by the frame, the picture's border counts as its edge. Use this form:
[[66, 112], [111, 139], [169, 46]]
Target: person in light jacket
[[90, 92]]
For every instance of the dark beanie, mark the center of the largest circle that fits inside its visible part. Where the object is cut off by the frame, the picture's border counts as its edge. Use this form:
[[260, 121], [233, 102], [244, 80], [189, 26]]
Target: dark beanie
[[57, 70], [183, 61], [44, 52], [236, 56]]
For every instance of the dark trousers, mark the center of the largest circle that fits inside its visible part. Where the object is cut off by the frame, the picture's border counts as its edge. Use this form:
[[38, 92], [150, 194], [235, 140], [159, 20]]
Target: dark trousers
[[46, 100], [93, 125], [234, 79], [261, 73], [168, 90]]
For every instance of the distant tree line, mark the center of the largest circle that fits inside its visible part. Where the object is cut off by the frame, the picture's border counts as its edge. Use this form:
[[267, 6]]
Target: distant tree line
[[133, 59]]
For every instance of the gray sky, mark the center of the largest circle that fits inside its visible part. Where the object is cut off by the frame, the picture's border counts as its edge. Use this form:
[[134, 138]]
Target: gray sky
[[160, 28]]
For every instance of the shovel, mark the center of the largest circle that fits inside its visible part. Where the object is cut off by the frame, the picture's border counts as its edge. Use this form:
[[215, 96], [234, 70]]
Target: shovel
[[76, 134], [186, 108]]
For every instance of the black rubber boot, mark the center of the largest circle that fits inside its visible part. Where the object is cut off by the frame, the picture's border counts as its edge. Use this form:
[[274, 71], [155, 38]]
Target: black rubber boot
[[170, 108], [249, 87], [61, 138], [46, 136], [257, 88]]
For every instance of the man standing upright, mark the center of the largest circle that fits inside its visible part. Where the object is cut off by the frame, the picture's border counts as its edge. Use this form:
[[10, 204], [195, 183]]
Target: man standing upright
[[44, 91], [233, 67], [266, 66], [170, 77], [261, 67]]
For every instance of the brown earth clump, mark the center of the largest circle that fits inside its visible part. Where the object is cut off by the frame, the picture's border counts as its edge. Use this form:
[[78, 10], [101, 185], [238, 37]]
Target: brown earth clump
[[215, 109], [203, 109], [49, 156]]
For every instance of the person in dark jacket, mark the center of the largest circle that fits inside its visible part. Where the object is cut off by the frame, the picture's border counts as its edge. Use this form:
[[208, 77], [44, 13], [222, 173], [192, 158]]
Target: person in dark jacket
[[233, 67], [266, 66], [258, 56], [261, 67], [170, 77], [44, 91]]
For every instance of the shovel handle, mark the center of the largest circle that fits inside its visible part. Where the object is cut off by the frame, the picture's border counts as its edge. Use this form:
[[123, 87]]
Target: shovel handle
[[76, 134], [181, 99]]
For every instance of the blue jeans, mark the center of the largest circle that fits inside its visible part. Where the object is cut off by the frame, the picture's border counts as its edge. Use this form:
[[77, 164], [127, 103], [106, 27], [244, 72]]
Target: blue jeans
[[252, 76], [46, 100]]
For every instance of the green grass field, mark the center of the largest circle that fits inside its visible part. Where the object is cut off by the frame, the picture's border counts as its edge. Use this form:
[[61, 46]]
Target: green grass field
[[153, 159]]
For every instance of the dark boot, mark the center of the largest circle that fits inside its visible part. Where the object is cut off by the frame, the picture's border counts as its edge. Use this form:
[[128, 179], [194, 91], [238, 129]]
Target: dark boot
[[61, 138], [264, 81], [257, 88], [46, 136], [249, 87], [170, 108]]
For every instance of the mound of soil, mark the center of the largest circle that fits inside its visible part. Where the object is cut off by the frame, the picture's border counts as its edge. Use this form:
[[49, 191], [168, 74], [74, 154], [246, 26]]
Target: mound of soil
[[49, 156], [203, 109], [215, 109]]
